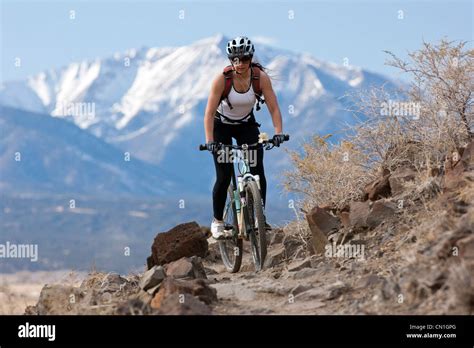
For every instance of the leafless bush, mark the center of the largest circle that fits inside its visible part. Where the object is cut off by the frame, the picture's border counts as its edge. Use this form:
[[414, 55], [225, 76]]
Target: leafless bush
[[433, 117], [417, 127], [325, 173]]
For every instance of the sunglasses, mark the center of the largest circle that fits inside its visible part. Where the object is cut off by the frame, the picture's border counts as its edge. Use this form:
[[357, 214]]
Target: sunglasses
[[236, 60]]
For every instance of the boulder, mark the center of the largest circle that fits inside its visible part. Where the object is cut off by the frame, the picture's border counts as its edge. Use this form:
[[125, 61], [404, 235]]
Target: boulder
[[381, 210], [399, 178], [358, 213], [186, 268], [196, 287], [321, 224], [184, 240], [152, 278], [379, 188]]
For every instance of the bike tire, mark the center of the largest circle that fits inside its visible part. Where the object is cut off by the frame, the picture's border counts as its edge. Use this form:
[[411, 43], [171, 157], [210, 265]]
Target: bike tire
[[258, 239], [231, 249]]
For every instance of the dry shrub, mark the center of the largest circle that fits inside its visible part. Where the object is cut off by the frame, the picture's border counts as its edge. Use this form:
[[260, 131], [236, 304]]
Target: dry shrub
[[415, 127], [325, 173], [433, 117]]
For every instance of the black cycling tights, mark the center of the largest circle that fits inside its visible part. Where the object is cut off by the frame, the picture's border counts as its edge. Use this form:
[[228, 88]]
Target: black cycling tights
[[244, 134]]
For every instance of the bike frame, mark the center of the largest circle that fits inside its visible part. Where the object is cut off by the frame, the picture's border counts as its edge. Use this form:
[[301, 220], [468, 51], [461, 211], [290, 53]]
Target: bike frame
[[238, 190]]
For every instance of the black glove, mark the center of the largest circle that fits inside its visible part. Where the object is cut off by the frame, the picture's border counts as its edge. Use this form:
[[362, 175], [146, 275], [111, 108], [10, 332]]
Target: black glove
[[212, 146], [278, 139]]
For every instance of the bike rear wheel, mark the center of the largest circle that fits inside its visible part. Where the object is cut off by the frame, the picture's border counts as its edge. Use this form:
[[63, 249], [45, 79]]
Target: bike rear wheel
[[254, 214], [231, 248]]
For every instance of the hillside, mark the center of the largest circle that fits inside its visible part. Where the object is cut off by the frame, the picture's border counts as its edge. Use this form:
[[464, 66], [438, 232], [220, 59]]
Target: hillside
[[405, 268]]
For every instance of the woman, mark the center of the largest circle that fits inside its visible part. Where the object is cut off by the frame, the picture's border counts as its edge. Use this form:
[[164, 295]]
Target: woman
[[232, 117]]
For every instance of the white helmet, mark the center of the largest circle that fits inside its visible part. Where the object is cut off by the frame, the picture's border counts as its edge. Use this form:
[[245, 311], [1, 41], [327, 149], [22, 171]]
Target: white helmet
[[241, 46]]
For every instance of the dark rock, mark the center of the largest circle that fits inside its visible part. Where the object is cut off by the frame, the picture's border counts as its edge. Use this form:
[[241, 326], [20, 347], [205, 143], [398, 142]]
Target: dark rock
[[379, 188], [381, 211], [359, 211], [184, 240]]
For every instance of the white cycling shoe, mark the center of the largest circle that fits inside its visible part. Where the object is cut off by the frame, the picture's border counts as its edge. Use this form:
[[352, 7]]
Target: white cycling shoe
[[218, 231]]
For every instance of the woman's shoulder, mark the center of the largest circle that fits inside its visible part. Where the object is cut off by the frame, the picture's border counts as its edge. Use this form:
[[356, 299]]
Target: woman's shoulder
[[219, 82], [264, 78]]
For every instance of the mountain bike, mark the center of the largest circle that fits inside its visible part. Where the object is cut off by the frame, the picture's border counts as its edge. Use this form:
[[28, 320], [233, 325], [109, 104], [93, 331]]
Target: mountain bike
[[244, 212]]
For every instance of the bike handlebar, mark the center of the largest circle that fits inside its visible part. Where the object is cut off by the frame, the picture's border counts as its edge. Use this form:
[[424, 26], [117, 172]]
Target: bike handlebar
[[203, 147]]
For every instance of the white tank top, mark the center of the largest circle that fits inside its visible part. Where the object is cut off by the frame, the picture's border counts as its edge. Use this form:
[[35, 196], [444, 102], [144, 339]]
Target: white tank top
[[242, 103]]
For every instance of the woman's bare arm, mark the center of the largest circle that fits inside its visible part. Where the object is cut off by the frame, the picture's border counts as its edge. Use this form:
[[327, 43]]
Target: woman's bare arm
[[271, 101], [217, 89]]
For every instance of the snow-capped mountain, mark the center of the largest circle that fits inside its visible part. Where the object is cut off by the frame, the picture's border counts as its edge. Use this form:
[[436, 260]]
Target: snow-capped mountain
[[44, 155], [151, 101]]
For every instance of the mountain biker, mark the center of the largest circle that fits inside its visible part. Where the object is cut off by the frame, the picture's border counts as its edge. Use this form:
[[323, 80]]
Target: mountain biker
[[232, 117]]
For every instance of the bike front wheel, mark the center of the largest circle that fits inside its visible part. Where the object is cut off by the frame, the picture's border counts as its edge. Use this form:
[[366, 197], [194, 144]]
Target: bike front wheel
[[256, 224], [231, 248]]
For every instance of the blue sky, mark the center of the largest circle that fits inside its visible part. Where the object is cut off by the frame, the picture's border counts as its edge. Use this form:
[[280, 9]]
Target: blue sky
[[44, 36]]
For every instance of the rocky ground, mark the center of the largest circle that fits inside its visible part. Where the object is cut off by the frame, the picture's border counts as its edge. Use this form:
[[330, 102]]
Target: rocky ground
[[406, 248]]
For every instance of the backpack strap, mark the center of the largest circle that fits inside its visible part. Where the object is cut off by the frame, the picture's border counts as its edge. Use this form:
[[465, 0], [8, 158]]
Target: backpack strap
[[228, 83], [256, 67]]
